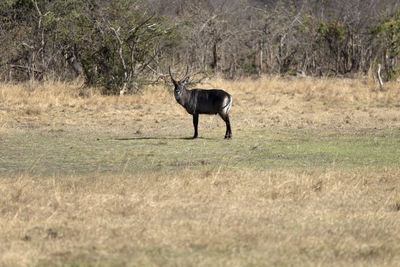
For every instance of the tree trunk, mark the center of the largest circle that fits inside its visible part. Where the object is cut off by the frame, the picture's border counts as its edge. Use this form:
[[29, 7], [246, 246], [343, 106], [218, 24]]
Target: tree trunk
[[214, 62]]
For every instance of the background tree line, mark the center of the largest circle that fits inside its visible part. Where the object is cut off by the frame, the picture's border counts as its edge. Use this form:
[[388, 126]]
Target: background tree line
[[125, 44]]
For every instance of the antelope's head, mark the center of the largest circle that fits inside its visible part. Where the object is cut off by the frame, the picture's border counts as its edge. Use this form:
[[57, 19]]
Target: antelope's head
[[180, 86]]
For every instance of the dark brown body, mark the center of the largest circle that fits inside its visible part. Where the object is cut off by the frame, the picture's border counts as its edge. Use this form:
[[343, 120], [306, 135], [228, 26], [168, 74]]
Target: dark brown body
[[202, 101]]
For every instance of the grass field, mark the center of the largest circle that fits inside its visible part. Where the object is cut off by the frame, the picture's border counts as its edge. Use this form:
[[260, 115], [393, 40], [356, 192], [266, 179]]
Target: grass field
[[311, 176]]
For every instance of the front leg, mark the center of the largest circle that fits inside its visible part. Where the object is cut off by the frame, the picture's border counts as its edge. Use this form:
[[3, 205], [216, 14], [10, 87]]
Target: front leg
[[195, 123]]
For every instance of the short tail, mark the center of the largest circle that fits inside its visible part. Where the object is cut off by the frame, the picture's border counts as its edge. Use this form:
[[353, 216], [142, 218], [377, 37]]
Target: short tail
[[227, 107]]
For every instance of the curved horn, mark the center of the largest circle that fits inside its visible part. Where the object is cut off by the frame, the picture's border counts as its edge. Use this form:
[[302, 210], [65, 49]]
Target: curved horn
[[187, 72], [170, 74]]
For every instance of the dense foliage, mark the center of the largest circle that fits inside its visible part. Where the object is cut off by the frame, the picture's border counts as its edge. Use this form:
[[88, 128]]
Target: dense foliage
[[124, 44]]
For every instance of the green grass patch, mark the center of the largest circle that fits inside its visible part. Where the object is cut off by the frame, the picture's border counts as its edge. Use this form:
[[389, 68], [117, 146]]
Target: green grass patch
[[47, 154]]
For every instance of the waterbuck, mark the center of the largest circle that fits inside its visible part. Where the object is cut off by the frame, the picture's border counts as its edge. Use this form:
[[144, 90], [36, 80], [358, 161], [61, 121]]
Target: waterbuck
[[202, 101]]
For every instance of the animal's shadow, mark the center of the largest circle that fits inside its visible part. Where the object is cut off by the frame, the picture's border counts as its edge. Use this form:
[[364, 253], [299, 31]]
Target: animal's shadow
[[159, 138]]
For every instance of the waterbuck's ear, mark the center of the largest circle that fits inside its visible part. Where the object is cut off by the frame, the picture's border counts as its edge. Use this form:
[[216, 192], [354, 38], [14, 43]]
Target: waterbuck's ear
[[185, 81]]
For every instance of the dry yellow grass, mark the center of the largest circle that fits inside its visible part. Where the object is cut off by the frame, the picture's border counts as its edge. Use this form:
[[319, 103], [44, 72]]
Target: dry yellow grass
[[265, 102], [206, 218], [210, 216], [308, 102], [58, 105]]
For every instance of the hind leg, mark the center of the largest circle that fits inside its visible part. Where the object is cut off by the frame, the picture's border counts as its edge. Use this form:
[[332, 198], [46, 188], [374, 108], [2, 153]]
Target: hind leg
[[225, 117]]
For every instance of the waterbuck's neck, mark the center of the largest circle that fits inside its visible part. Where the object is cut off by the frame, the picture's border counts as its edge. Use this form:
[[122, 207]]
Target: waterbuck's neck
[[182, 96]]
